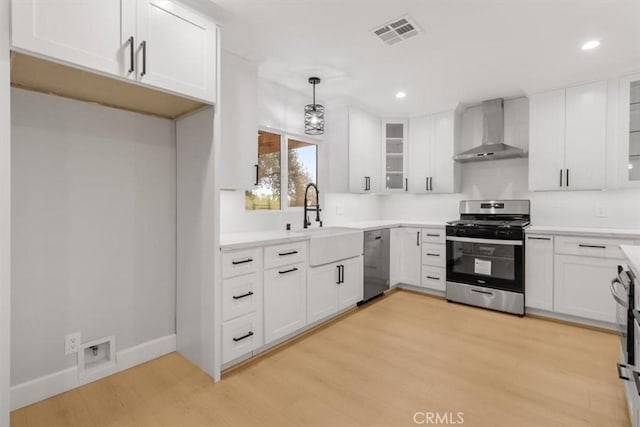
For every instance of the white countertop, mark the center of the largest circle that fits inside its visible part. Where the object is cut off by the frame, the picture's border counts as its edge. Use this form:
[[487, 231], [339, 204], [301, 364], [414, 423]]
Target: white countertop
[[633, 255], [241, 240], [585, 231]]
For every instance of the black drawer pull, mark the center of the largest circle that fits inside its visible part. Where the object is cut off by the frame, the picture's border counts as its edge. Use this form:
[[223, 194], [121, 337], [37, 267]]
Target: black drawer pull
[[257, 175], [433, 278], [592, 246], [131, 54], [430, 254], [248, 294], [287, 253], [378, 237], [288, 271], [247, 335], [619, 367], [244, 261], [433, 235], [539, 238]]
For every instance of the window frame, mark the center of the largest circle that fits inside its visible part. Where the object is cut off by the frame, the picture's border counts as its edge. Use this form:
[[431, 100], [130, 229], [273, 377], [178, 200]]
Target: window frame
[[284, 167]]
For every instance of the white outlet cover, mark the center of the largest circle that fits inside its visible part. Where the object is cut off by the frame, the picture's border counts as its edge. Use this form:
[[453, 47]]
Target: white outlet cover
[[72, 343]]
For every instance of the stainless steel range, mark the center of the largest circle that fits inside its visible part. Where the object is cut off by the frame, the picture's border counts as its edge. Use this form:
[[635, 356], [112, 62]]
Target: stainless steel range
[[485, 254]]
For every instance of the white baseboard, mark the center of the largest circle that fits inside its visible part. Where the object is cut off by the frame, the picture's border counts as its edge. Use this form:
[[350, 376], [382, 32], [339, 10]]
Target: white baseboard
[[44, 387]]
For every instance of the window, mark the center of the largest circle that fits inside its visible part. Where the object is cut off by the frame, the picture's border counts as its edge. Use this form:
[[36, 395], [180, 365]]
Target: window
[[300, 166]]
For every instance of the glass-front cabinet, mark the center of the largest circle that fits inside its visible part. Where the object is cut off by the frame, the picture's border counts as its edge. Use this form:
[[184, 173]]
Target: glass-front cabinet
[[630, 130], [394, 134]]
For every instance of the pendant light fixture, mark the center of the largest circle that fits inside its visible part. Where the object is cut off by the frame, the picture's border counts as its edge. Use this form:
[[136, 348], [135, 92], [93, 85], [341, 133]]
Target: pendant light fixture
[[314, 113]]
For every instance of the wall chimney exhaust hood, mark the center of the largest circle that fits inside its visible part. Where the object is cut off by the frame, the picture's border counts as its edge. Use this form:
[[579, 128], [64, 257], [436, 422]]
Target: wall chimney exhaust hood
[[493, 146]]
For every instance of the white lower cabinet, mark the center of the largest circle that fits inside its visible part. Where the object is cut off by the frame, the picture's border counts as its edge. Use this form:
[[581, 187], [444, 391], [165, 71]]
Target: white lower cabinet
[[241, 336], [539, 272], [285, 301], [433, 278], [405, 256], [334, 287], [581, 287]]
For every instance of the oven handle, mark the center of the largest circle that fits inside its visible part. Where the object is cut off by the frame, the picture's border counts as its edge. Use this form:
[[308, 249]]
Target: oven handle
[[619, 300], [485, 241]]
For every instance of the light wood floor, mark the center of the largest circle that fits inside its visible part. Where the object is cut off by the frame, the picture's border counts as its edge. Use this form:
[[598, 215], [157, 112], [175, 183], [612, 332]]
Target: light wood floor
[[404, 354]]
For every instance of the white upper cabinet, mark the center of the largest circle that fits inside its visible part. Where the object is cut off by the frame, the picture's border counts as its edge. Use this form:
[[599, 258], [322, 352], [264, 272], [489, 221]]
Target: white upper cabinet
[[432, 144], [394, 154], [157, 42], [567, 138], [364, 152], [628, 162], [239, 122], [91, 33]]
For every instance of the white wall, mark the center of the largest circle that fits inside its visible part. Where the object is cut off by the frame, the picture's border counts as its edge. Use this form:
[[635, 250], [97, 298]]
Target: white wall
[[5, 214], [94, 229]]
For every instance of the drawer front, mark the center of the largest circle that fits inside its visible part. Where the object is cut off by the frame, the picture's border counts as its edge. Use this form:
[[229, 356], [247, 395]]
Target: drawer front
[[237, 263], [433, 278], [289, 253], [433, 255], [590, 246], [241, 295], [241, 336], [434, 235]]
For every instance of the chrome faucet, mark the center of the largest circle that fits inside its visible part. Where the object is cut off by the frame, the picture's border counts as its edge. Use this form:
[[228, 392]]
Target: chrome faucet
[[305, 220]]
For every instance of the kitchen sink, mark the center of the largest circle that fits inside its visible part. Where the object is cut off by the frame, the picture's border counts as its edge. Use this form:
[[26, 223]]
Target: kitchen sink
[[332, 244]]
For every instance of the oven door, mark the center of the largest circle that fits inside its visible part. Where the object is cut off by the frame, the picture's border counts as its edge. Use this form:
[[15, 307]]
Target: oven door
[[493, 263], [620, 294]]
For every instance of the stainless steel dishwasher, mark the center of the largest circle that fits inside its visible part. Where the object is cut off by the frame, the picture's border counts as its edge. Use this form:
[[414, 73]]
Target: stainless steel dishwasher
[[376, 263]]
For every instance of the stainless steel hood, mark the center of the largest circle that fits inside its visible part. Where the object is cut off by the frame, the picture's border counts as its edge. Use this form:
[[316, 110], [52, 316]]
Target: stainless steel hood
[[493, 146]]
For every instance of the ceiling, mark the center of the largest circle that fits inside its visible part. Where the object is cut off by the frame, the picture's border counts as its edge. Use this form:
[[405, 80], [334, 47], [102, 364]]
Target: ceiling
[[469, 50]]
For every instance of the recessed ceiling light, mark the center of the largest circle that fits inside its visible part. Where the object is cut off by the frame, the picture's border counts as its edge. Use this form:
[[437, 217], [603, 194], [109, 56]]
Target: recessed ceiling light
[[401, 95], [591, 44]]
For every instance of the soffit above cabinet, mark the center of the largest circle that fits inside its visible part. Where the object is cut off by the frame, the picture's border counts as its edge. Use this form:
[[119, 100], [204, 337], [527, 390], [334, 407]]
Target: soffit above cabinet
[[40, 75]]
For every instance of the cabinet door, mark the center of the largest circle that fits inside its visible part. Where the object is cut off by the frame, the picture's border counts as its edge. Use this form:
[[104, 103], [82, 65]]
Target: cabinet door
[[322, 292], [581, 287], [285, 301], [539, 272], [410, 256], [88, 33], [442, 151], [351, 290], [239, 122], [177, 49], [546, 140], [628, 161], [419, 154], [357, 181], [394, 144], [585, 137], [372, 161]]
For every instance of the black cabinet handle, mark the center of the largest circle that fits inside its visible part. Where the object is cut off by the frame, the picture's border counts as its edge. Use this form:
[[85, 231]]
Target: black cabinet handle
[[560, 177], [433, 235], [430, 254], [592, 246], [143, 45], [367, 183], [406, 184], [338, 268], [418, 238], [287, 253], [244, 261], [433, 278], [378, 238], [257, 175], [291, 270], [131, 54], [247, 335], [539, 238], [341, 273], [619, 367], [430, 183], [567, 177], [426, 183], [248, 294]]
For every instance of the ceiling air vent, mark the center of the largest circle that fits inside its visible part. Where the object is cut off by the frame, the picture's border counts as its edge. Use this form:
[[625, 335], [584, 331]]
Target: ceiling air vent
[[397, 30]]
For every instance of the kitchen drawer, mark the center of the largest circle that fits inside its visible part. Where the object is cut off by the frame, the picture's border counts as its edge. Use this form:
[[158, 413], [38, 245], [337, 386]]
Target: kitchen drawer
[[433, 255], [237, 263], [590, 246], [241, 295], [289, 253], [434, 235], [433, 278], [241, 336]]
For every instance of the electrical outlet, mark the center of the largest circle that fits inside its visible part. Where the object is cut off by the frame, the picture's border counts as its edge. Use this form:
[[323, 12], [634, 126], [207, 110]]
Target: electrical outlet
[[600, 213], [72, 343]]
